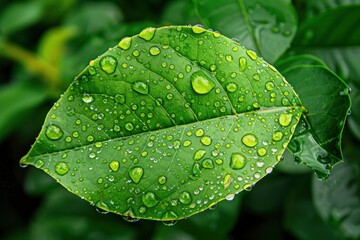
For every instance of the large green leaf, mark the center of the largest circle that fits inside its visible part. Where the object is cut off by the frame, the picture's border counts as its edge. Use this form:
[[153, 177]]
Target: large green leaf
[[317, 140], [264, 26], [168, 123]]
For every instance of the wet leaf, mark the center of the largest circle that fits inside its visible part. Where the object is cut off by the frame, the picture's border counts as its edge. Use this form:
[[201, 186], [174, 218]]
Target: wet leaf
[[317, 140], [168, 123], [264, 26]]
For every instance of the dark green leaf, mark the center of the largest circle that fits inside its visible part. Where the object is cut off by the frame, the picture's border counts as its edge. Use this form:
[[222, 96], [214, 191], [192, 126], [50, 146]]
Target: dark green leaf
[[264, 26], [167, 124], [16, 100], [185, 13], [325, 96], [337, 198], [340, 50], [18, 16]]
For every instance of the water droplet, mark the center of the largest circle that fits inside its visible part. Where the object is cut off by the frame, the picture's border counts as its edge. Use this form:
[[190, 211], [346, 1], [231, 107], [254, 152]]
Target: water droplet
[[201, 83], [162, 180], [61, 168], [136, 174], [256, 77], [227, 181], [129, 126], [269, 86], [243, 64], [91, 70], [206, 140], [198, 29], [249, 140], [199, 132], [228, 58], [148, 33], [196, 169], [277, 136], [140, 87], [149, 199], [169, 223], [120, 98], [154, 51], [247, 187], [130, 219], [230, 197], [199, 154], [114, 165], [238, 161], [53, 132], [251, 54], [101, 207], [39, 163], [108, 64], [285, 119], [207, 163], [231, 87], [261, 152], [185, 197], [125, 43]]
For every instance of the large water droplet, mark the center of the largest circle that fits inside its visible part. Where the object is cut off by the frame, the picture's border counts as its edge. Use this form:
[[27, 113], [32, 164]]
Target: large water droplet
[[61, 168], [129, 126], [201, 83], [148, 33], [114, 165], [243, 64], [207, 163], [206, 140], [136, 174], [154, 51], [285, 119], [277, 136], [251, 54], [199, 154], [108, 64], [140, 87], [149, 199], [238, 161], [231, 87], [198, 29], [53, 132], [249, 140], [185, 197], [125, 43]]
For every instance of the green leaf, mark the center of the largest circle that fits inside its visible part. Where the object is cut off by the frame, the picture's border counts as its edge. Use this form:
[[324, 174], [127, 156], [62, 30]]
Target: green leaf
[[16, 102], [267, 27], [340, 50], [18, 16], [326, 97], [337, 199], [168, 123], [185, 12]]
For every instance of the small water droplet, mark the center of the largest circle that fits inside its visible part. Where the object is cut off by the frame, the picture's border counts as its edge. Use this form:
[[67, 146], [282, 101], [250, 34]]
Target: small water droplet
[[162, 180], [277, 136], [199, 132], [101, 207], [61, 168], [136, 174], [243, 64], [39, 163], [230, 197], [261, 152], [238, 161], [198, 29], [149, 199], [120, 98], [185, 197], [148, 33], [201, 83], [114, 165], [207, 163], [231, 87], [248, 187], [169, 217], [269, 85], [108, 64], [53, 132], [249, 140], [154, 51], [251, 54], [206, 140], [91, 70], [129, 126], [140, 87], [125, 43]]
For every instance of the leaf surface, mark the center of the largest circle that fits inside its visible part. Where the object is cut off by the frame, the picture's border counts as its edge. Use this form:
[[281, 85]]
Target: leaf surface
[[264, 26], [168, 123]]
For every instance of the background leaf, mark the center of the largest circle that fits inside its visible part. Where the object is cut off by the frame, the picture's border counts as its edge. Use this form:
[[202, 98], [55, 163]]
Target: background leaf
[[264, 26], [316, 141], [172, 129]]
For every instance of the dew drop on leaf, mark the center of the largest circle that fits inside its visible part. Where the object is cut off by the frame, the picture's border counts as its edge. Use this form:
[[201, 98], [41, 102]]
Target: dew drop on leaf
[[249, 140], [125, 43], [136, 174], [149, 199], [201, 83], [238, 161], [251, 54], [108, 64], [198, 29], [61, 168], [285, 119], [120, 98], [243, 63], [199, 154], [154, 51], [54, 132], [147, 34], [261, 152], [185, 197], [231, 87], [140, 87], [129, 126], [162, 180], [206, 140], [207, 163], [114, 165], [277, 136]]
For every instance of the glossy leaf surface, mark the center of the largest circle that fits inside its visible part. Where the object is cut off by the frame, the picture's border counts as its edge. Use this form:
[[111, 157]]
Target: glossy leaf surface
[[264, 26], [168, 123]]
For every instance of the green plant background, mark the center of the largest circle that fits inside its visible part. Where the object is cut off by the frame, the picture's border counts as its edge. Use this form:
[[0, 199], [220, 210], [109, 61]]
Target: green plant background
[[44, 44]]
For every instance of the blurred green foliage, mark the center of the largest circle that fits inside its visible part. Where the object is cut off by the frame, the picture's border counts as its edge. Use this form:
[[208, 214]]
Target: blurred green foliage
[[44, 44]]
